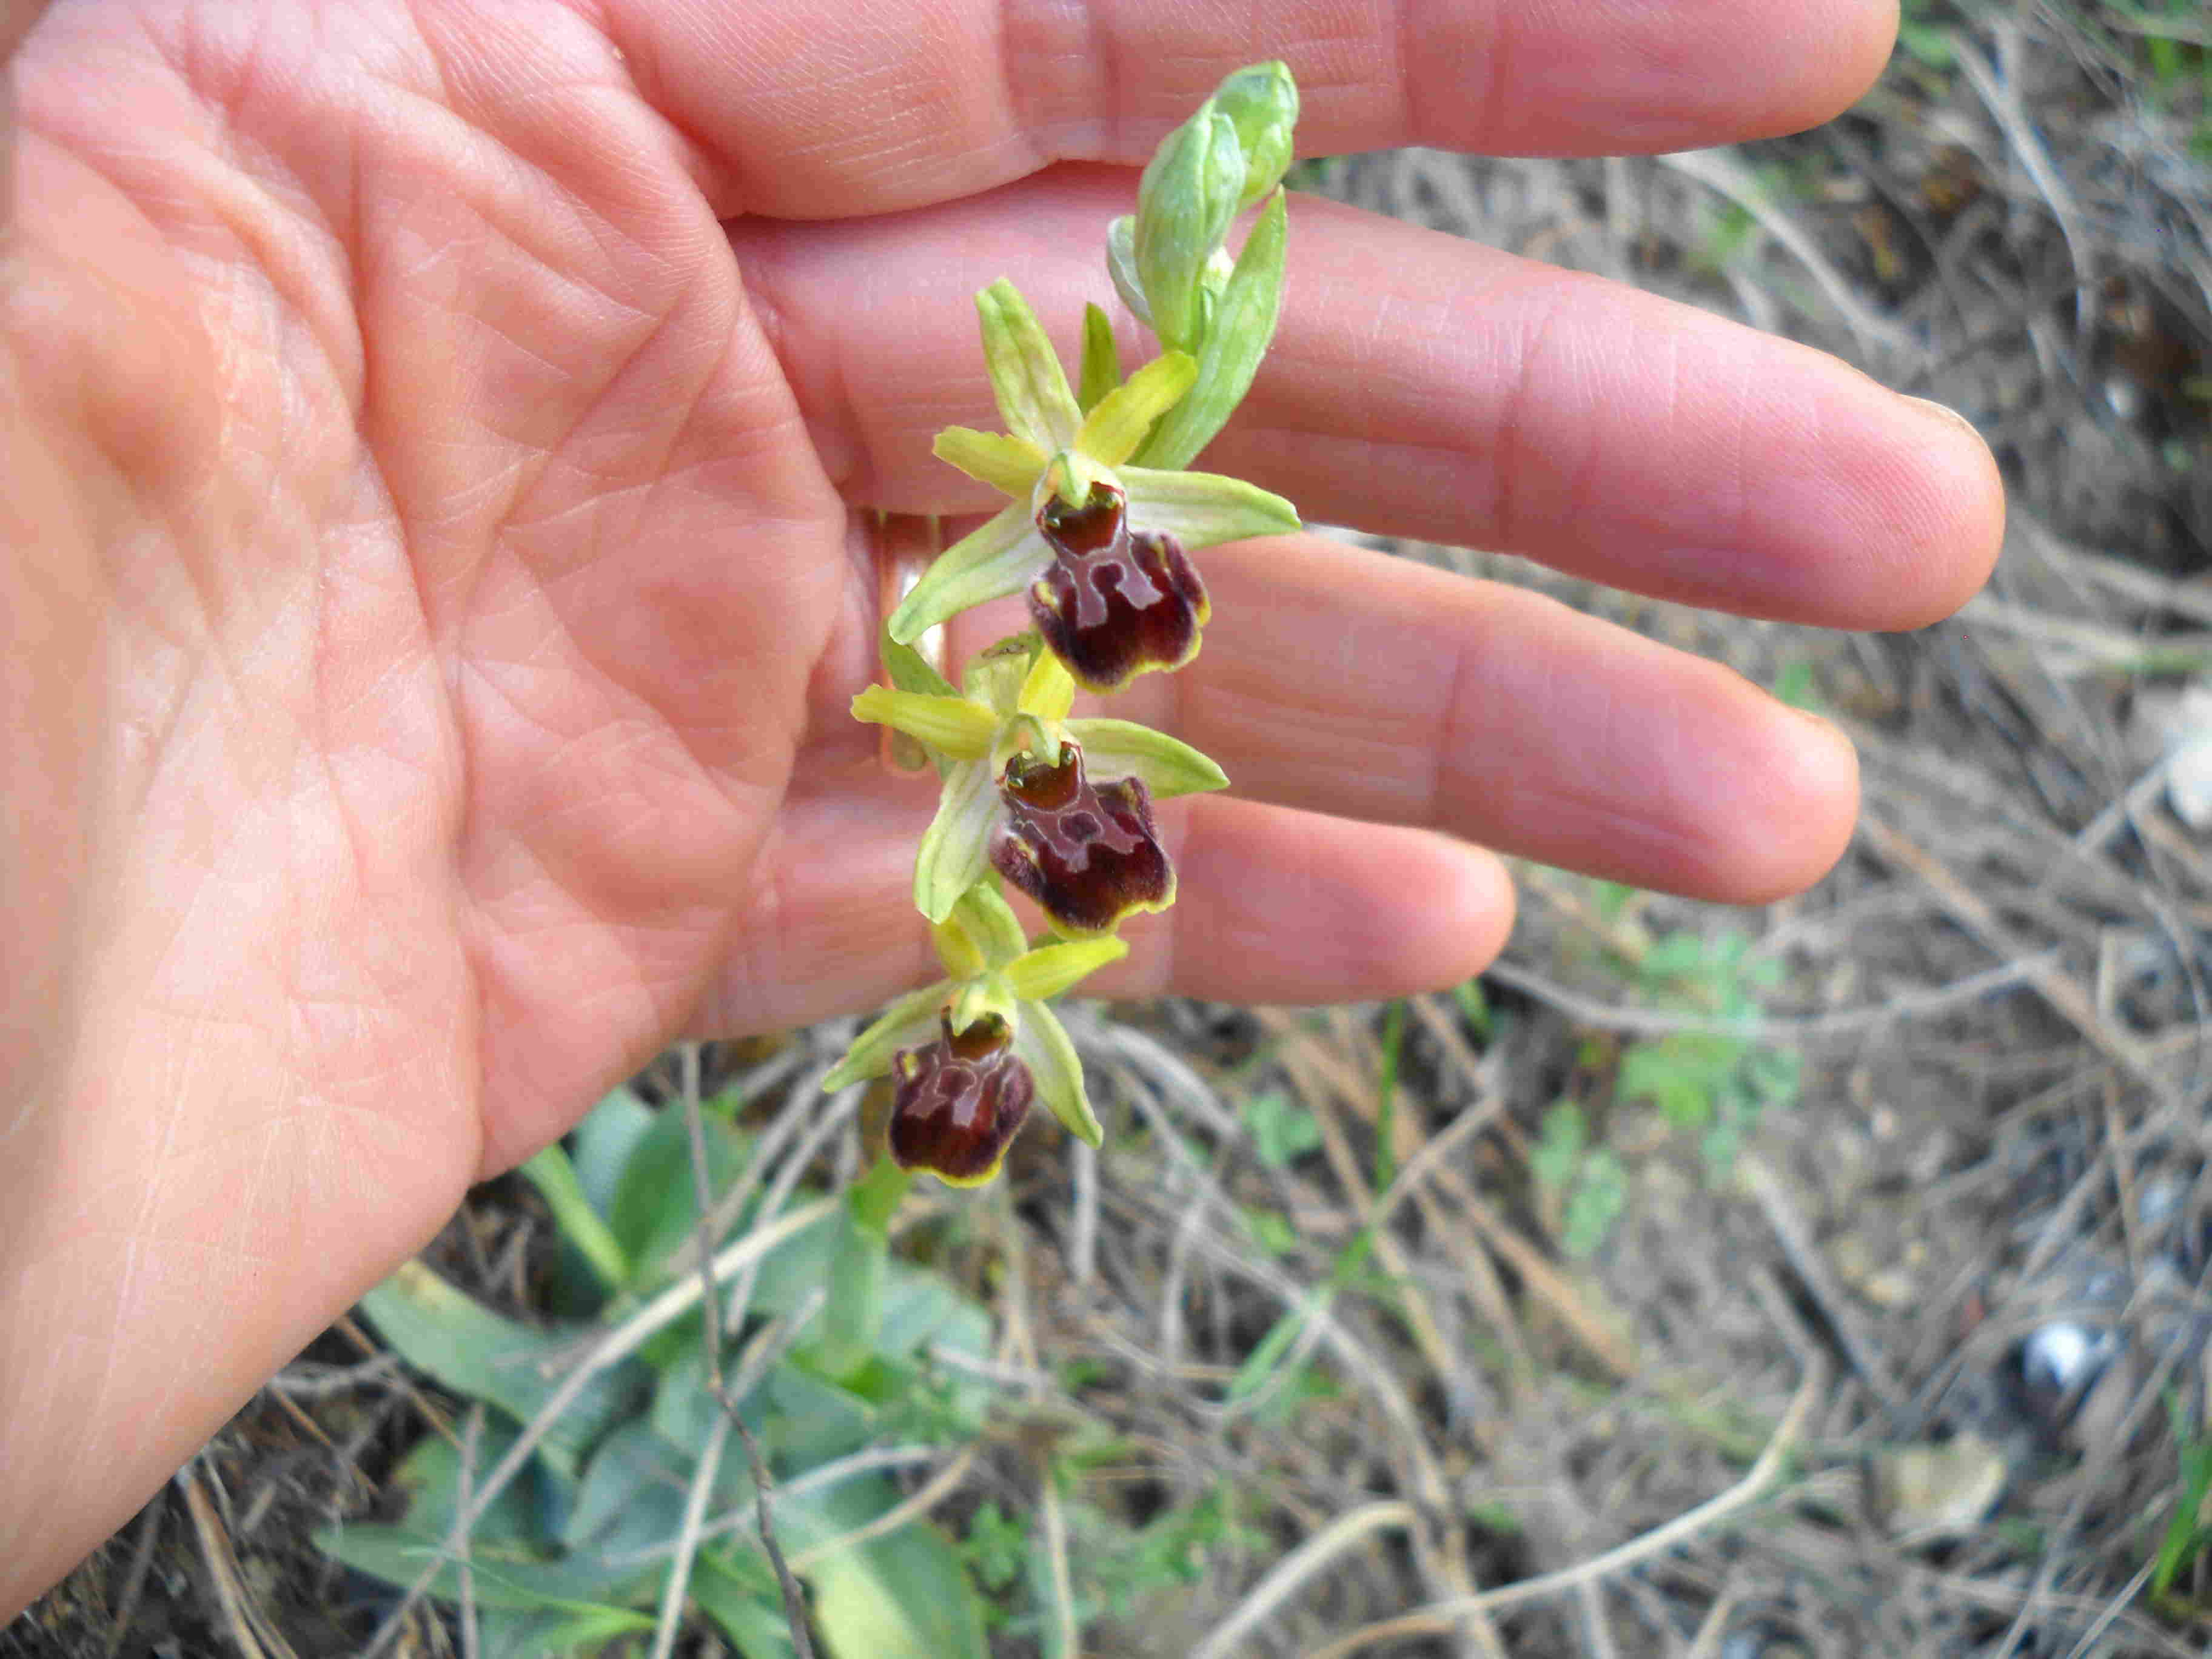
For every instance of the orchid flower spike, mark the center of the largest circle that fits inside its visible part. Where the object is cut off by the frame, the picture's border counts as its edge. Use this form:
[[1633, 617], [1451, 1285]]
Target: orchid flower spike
[[1099, 547], [1060, 807], [969, 1053]]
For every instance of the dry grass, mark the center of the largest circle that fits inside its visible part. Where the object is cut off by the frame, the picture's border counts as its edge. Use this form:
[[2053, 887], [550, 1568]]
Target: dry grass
[[1675, 1443]]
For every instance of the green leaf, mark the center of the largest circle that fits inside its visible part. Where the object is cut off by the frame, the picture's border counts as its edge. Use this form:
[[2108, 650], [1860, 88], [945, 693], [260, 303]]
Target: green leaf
[[750, 1615], [502, 1577], [656, 1206], [1243, 327], [554, 1177], [603, 1143], [900, 1596], [443, 1332]]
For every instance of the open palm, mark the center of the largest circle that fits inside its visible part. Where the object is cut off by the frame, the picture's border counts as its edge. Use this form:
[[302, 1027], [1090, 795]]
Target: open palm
[[439, 439]]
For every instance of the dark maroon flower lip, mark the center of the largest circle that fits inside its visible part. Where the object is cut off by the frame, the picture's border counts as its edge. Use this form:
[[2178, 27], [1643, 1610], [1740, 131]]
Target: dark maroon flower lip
[[1088, 854], [959, 1102], [1114, 603]]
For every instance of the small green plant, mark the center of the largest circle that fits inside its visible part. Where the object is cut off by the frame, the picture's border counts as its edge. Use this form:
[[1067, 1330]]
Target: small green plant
[[1587, 1184], [577, 1548], [1709, 1082], [1281, 1128], [2187, 1535]]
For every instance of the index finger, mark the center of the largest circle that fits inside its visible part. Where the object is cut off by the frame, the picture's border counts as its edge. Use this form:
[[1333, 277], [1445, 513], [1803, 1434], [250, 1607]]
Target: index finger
[[826, 110]]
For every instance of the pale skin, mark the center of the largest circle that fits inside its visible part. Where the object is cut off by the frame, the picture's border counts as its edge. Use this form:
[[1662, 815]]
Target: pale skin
[[432, 581]]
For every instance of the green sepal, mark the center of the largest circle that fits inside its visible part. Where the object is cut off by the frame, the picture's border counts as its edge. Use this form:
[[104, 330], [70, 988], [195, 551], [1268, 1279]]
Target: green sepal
[[1201, 508], [1185, 203], [1042, 1043], [1123, 748], [1025, 373], [953, 726], [1102, 358], [910, 1020], [1008, 464], [1051, 970], [990, 928], [1111, 432], [1121, 267], [955, 850], [999, 557], [1243, 326]]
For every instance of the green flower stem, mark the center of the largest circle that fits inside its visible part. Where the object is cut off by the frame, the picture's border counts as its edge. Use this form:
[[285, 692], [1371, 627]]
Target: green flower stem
[[554, 1177]]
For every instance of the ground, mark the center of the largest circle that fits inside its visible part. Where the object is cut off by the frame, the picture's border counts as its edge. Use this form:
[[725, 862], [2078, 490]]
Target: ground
[[1825, 1279]]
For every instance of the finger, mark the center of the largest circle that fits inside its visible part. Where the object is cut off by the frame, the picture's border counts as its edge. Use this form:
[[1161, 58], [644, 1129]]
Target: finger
[[1424, 386], [1345, 680], [1272, 905], [828, 110]]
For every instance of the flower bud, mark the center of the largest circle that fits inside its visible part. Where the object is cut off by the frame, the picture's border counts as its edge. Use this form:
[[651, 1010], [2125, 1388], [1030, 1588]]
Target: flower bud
[[1261, 102], [1185, 203]]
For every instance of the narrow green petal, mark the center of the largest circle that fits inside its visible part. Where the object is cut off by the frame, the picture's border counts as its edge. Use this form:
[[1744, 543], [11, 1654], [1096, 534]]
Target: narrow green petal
[[956, 849], [1008, 464], [1025, 372], [1042, 1043], [1243, 324], [1201, 508], [952, 725], [991, 924], [1051, 970], [1112, 431], [1049, 692], [910, 1020], [1123, 748], [1102, 358], [1000, 557]]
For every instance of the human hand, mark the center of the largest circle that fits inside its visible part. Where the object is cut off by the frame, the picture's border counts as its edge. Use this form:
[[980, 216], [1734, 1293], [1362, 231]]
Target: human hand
[[434, 581]]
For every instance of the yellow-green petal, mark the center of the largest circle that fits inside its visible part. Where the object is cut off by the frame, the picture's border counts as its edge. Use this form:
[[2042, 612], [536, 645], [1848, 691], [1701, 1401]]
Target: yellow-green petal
[[1112, 431], [1049, 692], [952, 725], [1051, 970], [1102, 359], [990, 925], [1007, 463]]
